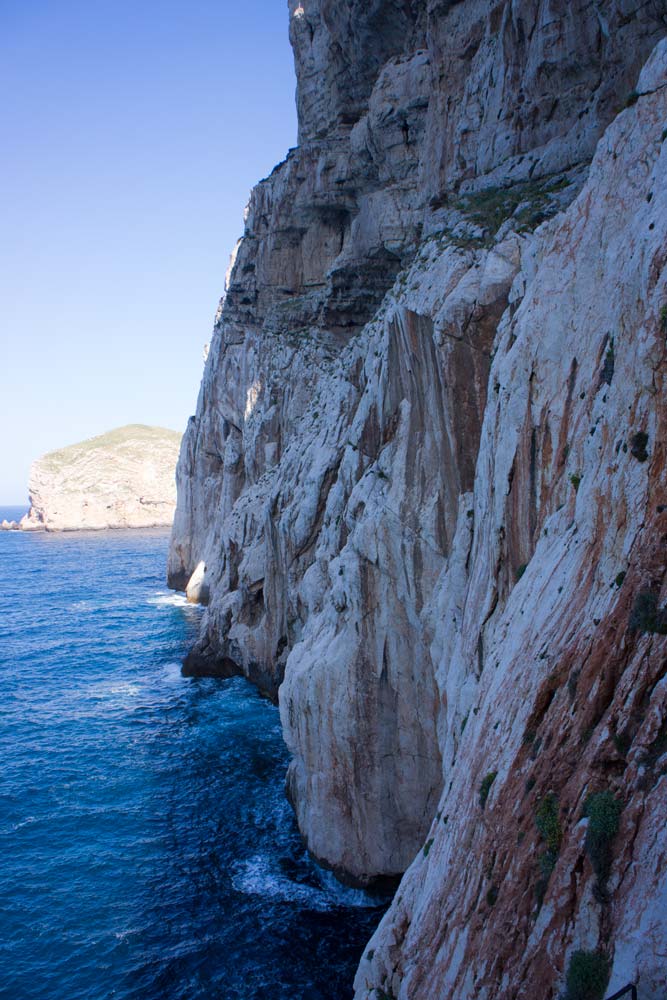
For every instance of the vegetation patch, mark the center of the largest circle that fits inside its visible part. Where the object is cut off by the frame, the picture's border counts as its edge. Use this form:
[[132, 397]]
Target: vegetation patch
[[528, 204], [427, 847], [638, 444], [646, 616], [587, 976], [603, 811], [548, 823], [485, 787]]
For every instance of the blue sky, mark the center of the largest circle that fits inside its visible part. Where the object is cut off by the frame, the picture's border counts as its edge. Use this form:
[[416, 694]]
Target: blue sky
[[132, 133]]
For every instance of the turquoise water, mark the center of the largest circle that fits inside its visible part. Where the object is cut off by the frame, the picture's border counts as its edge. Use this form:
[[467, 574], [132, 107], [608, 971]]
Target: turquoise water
[[147, 847]]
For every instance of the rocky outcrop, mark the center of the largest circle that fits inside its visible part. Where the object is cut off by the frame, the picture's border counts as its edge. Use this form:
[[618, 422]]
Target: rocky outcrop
[[420, 492], [122, 479]]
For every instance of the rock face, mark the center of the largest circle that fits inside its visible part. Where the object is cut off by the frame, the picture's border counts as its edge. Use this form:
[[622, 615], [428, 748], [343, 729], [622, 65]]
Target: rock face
[[424, 491], [123, 479]]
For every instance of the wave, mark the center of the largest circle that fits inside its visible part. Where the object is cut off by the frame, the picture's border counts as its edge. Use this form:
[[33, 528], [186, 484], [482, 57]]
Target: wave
[[170, 600], [257, 876]]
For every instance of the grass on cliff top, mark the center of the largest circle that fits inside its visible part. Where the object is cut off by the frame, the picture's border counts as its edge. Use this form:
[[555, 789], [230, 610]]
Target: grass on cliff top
[[139, 435]]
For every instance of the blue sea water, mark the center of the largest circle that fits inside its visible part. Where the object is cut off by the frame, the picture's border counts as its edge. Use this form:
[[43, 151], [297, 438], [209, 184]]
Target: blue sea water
[[147, 849]]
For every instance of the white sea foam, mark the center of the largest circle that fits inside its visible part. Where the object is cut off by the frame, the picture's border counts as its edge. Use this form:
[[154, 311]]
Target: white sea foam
[[172, 673], [25, 822], [256, 877], [170, 600], [114, 695], [343, 895]]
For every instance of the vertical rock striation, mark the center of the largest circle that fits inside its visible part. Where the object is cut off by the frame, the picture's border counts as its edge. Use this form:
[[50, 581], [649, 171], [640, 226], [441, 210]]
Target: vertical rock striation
[[421, 494], [548, 635]]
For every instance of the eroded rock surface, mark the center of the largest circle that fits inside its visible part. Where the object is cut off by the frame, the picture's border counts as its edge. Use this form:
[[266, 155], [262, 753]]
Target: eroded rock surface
[[122, 479], [548, 640], [421, 493]]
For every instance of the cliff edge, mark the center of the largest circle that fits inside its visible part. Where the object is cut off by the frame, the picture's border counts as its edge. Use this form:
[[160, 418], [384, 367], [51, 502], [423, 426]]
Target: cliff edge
[[423, 495], [122, 479]]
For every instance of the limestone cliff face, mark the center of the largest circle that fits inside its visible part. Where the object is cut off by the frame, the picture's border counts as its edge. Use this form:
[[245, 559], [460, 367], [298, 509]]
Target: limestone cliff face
[[122, 479], [421, 493], [547, 634]]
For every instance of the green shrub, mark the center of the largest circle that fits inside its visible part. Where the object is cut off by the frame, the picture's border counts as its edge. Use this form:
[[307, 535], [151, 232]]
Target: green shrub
[[575, 479], [631, 99], [427, 847], [547, 862], [603, 811], [587, 976], [521, 570], [638, 444], [485, 787], [646, 616], [548, 823]]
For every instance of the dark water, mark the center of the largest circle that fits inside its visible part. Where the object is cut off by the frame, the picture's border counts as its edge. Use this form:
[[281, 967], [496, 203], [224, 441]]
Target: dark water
[[147, 850]]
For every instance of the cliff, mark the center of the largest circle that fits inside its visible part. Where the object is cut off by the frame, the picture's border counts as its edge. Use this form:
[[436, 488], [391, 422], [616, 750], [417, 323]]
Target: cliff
[[122, 479], [423, 493]]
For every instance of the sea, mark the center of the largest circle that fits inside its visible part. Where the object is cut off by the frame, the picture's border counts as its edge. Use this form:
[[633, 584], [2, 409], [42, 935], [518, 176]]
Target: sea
[[147, 850]]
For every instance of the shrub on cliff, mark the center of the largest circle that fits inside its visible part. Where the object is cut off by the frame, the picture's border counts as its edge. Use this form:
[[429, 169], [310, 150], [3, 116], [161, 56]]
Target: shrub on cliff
[[603, 811], [587, 976], [646, 616], [485, 787], [548, 824]]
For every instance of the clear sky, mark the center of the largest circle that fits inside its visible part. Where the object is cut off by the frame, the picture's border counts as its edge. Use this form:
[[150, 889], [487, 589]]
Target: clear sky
[[131, 132]]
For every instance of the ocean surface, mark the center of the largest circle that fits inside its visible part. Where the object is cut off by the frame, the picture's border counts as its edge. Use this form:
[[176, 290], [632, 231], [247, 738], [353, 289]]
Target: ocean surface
[[147, 849]]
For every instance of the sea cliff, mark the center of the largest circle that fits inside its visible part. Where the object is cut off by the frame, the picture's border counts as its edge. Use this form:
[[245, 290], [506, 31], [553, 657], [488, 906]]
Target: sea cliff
[[423, 495], [122, 479]]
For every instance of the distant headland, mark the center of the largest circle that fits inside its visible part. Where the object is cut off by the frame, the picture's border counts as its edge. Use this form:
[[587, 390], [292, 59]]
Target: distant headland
[[122, 479]]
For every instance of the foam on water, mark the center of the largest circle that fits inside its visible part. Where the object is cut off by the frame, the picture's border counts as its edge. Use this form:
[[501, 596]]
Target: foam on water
[[170, 600], [149, 852]]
